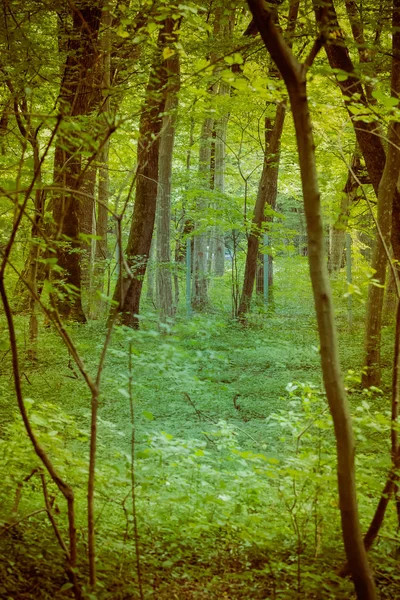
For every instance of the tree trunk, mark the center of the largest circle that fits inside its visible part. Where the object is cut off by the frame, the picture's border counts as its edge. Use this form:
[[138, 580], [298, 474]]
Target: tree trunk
[[76, 99], [128, 294], [101, 251], [267, 192], [165, 301], [87, 227], [390, 299], [294, 75], [373, 152], [151, 270], [386, 191], [200, 292], [221, 127], [338, 230], [260, 276]]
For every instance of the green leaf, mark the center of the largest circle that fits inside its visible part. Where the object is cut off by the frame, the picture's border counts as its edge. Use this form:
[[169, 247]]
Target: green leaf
[[387, 101], [152, 27], [4, 344], [148, 415], [168, 52], [122, 32], [66, 586]]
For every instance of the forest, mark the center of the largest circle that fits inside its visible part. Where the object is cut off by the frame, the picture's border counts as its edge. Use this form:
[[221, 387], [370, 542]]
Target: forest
[[199, 283]]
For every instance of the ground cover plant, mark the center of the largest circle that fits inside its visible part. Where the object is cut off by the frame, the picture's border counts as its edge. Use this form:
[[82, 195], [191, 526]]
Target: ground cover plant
[[200, 326]]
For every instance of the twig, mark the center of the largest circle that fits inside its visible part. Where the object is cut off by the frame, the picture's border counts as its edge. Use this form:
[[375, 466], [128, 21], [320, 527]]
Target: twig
[[51, 517], [28, 516], [133, 475], [18, 492], [198, 412]]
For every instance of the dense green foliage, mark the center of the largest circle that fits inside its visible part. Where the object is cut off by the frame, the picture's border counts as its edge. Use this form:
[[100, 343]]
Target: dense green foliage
[[234, 457], [166, 428]]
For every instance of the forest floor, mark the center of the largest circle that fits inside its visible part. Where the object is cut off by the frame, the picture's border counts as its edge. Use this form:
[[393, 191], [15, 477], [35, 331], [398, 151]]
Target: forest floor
[[235, 496]]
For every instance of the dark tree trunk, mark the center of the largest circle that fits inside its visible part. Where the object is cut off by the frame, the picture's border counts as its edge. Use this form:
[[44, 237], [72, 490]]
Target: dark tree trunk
[[101, 251], [77, 96], [128, 294], [267, 192]]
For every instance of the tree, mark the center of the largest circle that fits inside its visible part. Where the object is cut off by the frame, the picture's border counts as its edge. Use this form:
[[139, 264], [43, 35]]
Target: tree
[[72, 211], [338, 230], [266, 195], [374, 155], [294, 75], [101, 250], [165, 301], [128, 290], [200, 299]]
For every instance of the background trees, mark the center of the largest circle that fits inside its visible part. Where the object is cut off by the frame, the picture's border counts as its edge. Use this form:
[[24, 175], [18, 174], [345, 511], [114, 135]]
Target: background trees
[[127, 126]]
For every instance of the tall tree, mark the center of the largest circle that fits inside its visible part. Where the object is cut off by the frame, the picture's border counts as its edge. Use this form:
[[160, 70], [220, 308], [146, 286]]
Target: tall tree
[[338, 230], [294, 74], [128, 290], [268, 185], [373, 151], [267, 191], [200, 299], [165, 301], [221, 126], [101, 252], [77, 94]]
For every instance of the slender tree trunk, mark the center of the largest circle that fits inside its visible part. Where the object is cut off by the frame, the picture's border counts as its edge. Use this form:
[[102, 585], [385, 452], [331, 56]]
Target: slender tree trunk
[[30, 274], [259, 285], [267, 192], [221, 127], [101, 252], [87, 227], [35, 254], [185, 225], [200, 292], [165, 301], [128, 294], [294, 75], [151, 270], [338, 231]]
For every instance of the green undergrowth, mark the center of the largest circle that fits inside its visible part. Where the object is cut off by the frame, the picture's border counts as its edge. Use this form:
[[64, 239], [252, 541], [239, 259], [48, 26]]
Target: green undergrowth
[[235, 481]]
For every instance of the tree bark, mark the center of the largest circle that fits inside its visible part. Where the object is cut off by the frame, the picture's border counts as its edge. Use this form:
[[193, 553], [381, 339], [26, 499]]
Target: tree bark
[[386, 192], [294, 75], [101, 251], [374, 155], [87, 227], [221, 127], [390, 299], [338, 231], [200, 284], [127, 294], [165, 301], [76, 99], [267, 192]]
